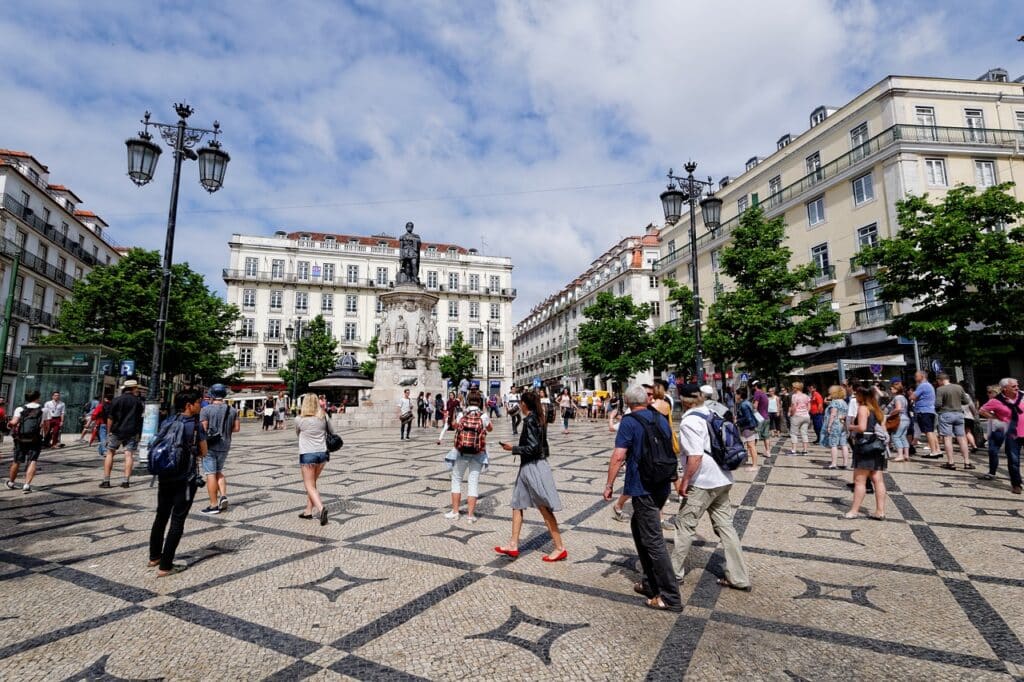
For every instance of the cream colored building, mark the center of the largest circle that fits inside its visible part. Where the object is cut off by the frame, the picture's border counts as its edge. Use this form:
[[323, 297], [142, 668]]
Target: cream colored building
[[58, 243], [278, 281], [546, 345], [837, 183]]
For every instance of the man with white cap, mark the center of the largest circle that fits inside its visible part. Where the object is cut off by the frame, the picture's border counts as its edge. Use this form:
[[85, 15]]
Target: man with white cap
[[712, 404], [124, 427]]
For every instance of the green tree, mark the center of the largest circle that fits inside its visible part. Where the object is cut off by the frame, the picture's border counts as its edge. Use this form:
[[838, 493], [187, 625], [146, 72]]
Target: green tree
[[117, 305], [369, 367], [460, 361], [961, 262], [615, 340], [772, 308], [672, 344], [315, 355]]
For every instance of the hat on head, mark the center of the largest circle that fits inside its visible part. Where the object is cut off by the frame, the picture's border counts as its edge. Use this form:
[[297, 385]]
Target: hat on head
[[131, 383], [689, 390], [708, 391], [647, 385], [755, 382], [896, 380], [219, 391]]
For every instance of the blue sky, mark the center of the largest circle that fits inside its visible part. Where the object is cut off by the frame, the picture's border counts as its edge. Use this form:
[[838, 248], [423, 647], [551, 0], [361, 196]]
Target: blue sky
[[358, 116]]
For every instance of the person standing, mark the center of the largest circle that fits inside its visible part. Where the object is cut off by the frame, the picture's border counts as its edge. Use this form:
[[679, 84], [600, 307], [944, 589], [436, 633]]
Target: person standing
[[87, 420], [950, 399], [568, 409], [26, 431], [1007, 407], [312, 426], [760, 402], [464, 389], [268, 414], [833, 432], [799, 417], [124, 428], [471, 429], [177, 492], [923, 398], [405, 408], [898, 405], [657, 582], [816, 410], [970, 410], [535, 484], [713, 405], [704, 487], [865, 428], [421, 410], [220, 420], [512, 409], [438, 409], [747, 424], [282, 412], [493, 408], [773, 413]]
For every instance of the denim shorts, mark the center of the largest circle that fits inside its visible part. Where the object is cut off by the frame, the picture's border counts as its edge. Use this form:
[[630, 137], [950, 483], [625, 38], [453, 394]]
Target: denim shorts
[[213, 463], [951, 424], [311, 458], [115, 441]]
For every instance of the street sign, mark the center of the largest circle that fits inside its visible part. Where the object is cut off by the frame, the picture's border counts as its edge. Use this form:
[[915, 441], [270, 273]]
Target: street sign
[[875, 369], [127, 368], [744, 377], [936, 366], [671, 378], [106, 366], [536, 382]]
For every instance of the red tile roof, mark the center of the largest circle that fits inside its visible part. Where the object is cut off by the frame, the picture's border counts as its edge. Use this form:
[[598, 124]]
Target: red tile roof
[[23, 155], [62, 188]]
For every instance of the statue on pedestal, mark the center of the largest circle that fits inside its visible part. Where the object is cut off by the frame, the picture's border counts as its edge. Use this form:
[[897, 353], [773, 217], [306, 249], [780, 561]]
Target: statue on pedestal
[[401, 336], [409, 255], [384, 343], [421, 338], [433, 340]]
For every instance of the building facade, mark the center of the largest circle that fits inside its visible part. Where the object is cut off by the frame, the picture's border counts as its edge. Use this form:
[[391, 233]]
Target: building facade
[[280, 281], [837, 183], [546, 343], [55, 244]]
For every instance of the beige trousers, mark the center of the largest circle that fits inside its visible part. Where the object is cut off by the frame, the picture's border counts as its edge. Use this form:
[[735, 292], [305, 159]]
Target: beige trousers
[[714, 501]]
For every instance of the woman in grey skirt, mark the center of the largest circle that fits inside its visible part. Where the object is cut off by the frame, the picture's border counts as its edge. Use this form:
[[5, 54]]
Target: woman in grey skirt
[[535, 485]]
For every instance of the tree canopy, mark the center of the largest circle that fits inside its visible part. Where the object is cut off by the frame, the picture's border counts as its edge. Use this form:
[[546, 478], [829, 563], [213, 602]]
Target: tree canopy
[[460, 362], [615, 340], [961, 262], [117, 305], [315, 355], [672, 344], [772, 309]]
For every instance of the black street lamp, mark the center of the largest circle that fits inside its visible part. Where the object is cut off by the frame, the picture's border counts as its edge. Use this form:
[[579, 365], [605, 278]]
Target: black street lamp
[[289, 332], [689, 189], [143, 154]]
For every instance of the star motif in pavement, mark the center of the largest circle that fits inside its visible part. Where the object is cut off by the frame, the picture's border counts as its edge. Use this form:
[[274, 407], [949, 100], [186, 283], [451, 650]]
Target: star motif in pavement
[[428, 491], [613, 558], [463, 535], [280, 475], [539, 646], [41, 516], [994, 511], [343, 516], [97, 672], [320, 585], [823, 499], [257, 500], [858, 594], [346, 482], [219, 548], [828, 534], [105, 534], [958, 484]]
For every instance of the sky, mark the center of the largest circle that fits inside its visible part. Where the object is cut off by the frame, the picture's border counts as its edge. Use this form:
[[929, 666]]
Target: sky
[[535, 130]]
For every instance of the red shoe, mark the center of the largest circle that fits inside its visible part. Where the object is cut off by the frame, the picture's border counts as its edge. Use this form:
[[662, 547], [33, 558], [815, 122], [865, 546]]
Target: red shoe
[[511, 553], [562, 556]]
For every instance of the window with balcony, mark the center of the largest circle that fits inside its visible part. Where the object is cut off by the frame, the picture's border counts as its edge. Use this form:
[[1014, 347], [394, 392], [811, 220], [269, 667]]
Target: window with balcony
[[495, 363], [273, 329], [935, 172], [474, 282], [816, 211], [495, 312], [453, 281], [351, 331], [974, 119], [58, 303], [1020, 120], [248, 328], [867, 235], [78, 272], [251, 267], [431, 279], [453, 310], [775, 185], [273, 358], [872, 291], [813, 165], [925, 118], [351, 304], [43, 252], [382, 277], [248, 299], [302, 270], [327, 303], [453, 333], [328, 272], [352, 274], [984, 173], [380, 305], [245, 358], [741, 204], [655, 308], [495, 283], [474, 310], [863, 190], [622, 288], [276, 300], [277, 268], [858, 141], [821, 260], [301, 301]]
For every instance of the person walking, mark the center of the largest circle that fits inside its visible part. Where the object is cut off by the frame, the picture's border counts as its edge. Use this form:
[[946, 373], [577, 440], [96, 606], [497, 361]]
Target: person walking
[[898, 405], [88, 424], [774, 407], [816, 410], [312, 426], [704, 487], [535, 484], [438, 409], [493, 406], [281, 414], [512, 409], [970, 410], [834, 434], [923, 398], [950, 399], [657, 581], [568, 409], [869, 453], [405, 416], [747, 424], [1007, 407], [99, 429], [547, 414], [268, 414], [220, 421], [995, 432], [54, 409], [124, 428], [176, 492], [759, 400], [463, 389], [26, 431], [799, 417], [468, 455], [452, 409]]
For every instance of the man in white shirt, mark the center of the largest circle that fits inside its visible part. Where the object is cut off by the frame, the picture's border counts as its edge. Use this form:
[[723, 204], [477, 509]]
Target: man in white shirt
[[711, 404], [54, 413], [405, 416], [704, 487], [512, 409]]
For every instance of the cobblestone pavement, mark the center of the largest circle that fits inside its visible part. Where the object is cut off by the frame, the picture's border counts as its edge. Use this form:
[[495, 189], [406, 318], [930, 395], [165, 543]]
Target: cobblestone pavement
[[389, 589]]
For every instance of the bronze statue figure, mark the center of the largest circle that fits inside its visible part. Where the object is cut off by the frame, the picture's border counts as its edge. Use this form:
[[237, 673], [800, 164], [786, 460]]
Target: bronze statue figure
[[409, 253]]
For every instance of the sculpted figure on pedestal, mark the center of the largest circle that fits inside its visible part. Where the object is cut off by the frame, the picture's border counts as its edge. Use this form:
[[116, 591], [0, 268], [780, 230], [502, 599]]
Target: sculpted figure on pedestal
[[409, 255], [401, 336]]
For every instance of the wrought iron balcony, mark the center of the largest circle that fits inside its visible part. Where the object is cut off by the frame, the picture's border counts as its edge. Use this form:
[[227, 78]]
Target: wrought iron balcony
[[873, 315], [858, 269], [276, 339], [825, 277], [246, 336]]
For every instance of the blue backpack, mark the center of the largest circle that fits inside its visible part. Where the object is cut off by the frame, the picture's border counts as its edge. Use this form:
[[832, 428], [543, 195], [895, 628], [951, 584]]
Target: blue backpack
[[169, 455], [726, 446]]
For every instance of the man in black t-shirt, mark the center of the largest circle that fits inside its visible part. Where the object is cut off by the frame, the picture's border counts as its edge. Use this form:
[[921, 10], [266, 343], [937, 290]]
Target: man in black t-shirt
[[124, 427]]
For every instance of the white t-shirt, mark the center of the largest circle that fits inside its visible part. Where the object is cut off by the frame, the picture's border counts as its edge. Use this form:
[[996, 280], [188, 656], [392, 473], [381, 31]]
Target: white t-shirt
[[405, 405], [851, 411], [18, 410], [511, 398], [54, 409], [695, 440]]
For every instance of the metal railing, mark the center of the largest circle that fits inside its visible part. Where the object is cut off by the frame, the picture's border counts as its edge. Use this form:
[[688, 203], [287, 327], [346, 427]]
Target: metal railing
[[857, 269], [11, 362], [825, 276], [273, 338], [37, 264], [27, 216], [246, 337], [872, 315]]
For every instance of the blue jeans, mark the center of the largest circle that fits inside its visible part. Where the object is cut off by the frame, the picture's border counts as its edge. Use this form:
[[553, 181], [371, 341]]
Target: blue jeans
[[997, 439], [817, 420], [102, 447]]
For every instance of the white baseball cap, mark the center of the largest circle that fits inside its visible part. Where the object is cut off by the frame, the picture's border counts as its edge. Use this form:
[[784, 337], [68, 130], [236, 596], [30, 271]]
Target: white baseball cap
[[708, 391]]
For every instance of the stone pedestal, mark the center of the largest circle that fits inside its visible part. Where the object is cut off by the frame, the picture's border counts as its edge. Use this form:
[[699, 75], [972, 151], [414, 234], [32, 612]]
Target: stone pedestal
[[407, 351]]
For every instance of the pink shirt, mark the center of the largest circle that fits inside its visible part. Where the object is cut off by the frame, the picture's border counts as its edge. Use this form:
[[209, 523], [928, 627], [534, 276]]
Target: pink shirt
[[1003, 413], [801, 403]]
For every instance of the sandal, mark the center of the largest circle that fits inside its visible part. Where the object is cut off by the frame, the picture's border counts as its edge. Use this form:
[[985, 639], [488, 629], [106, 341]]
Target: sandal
[[725, 583], [658, 605], [304, 515], [639, 589], [876, 517], [850, 517], [831, 466], [177, 568], [951, 467], [968, 466]]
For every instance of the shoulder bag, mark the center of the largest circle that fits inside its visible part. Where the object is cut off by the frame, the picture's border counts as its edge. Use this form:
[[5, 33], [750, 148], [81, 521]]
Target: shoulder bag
[[333, 440]]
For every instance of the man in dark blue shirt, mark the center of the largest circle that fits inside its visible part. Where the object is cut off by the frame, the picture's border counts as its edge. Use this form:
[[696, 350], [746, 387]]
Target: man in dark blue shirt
[[659, 583]]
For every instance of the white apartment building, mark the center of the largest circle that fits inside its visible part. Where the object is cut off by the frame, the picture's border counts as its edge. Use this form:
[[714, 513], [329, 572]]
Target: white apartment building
[[837, 184], [277, 281], [57, 244], [546, 345]]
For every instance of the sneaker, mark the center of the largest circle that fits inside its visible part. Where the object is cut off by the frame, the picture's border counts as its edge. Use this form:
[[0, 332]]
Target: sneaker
[[471, 518], [667, 525], [618, 514], [26, 488], [452, 515], [11, 485], [105, 484], [223, 503], [987, 477], [125, 484], [210, 511]]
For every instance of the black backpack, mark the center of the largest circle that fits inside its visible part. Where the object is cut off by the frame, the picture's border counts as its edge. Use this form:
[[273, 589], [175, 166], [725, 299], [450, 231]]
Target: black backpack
[[30, 425], [657, 464]]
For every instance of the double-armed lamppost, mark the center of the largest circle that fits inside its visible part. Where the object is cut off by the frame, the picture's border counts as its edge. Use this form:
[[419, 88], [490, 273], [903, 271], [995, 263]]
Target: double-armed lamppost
[[296, 333], [689, 189], [142, 157]]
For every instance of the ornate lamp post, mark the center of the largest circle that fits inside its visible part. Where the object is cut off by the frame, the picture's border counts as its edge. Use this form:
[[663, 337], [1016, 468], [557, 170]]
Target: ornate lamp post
[[143, 154], [689, 189]]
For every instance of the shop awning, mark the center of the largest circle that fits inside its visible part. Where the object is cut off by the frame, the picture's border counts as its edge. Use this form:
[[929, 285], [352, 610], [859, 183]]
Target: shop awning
[[852, 363]]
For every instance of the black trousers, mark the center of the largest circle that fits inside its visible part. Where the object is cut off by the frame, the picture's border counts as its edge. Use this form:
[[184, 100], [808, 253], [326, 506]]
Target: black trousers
[[406, 428], [173, 501], [658, 579], [516, 419]]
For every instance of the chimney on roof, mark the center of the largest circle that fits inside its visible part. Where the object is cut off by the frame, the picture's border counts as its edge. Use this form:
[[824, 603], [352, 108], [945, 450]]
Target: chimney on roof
[[996, 75], [280, 233]]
